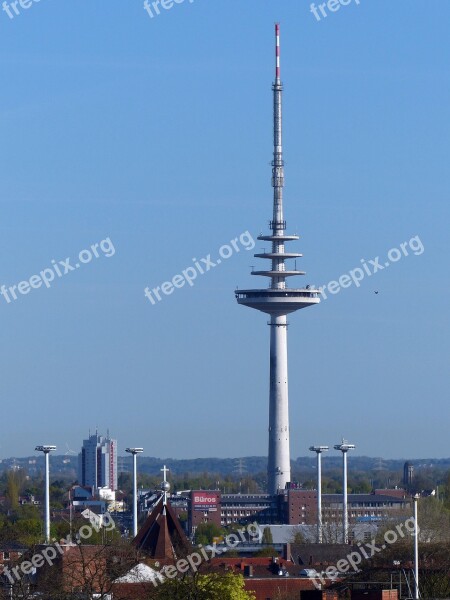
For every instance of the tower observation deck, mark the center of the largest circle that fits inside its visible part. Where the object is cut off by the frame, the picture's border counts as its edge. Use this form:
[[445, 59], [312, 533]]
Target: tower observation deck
[[278, 301]]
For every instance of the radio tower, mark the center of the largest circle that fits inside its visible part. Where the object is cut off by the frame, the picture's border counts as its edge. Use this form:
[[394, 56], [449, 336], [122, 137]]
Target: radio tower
[[278, 301]]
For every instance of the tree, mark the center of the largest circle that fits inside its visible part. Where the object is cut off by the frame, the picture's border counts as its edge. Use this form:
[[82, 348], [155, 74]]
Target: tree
[[23, 525], [434, 520], [206, 532], [13, 483], [446, 491], [267, 551], [86, 570], [213, 586], [267, 537]]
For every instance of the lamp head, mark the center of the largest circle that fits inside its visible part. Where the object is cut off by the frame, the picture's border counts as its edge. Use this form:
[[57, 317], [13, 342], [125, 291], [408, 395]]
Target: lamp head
[[319, 449], [344, 446], [45, 448]]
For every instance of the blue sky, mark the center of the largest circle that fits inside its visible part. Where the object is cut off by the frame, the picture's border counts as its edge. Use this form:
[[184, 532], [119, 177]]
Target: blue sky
[[156, 134]]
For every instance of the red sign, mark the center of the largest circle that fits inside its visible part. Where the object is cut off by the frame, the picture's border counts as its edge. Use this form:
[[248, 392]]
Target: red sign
[[204, 501]]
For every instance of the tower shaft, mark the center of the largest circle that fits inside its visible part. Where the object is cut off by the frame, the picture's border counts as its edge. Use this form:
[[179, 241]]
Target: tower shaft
[[279, 464], [279, 460], [278, 301]]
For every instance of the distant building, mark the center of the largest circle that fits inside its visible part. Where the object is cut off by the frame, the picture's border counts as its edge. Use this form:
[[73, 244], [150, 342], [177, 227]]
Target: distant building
[[237, 508], [408, 475], [364, 507], [299, 507], [82, 498], [97, 463]]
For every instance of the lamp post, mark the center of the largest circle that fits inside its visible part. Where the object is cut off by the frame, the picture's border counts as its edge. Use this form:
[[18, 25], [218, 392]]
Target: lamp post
[[318, 450], [46, 450], [135, 452], [344, 447], [416, 547]]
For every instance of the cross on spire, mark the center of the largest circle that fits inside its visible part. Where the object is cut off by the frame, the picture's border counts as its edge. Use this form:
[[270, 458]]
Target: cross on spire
[[165, 470]]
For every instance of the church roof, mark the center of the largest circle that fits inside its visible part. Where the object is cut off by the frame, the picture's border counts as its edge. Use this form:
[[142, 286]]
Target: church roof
[[161, 537]]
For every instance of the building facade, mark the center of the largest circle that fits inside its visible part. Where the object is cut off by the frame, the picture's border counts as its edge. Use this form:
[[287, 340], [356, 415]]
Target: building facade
[[97, 463], [293, 506], [204, 507]]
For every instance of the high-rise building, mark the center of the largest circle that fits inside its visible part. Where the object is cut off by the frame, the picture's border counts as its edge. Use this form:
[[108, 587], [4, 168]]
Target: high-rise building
[[278, 301], [97, 463]]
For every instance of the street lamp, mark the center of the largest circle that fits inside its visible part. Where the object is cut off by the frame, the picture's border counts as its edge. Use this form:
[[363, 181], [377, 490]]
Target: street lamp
[[46, 450], [416, 547], [318, 450], [344, 447], [135, 452]]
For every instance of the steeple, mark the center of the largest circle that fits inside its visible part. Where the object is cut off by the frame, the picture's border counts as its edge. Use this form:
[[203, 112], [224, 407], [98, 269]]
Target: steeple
[[161, 536]]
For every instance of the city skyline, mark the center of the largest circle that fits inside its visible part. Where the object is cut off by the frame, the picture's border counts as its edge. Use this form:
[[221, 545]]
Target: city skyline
[[67, 452]]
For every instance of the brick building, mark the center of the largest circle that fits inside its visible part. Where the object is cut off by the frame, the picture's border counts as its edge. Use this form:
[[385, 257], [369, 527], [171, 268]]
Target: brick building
[[236, 508], [293, 506], [204, 507], [299, 507]]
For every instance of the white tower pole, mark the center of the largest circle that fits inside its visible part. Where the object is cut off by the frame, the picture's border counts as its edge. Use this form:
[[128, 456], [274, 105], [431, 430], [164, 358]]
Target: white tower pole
[[319, 450], [416, 547], [47, 499], [46, 450], [279, 451], [345, 502], [344, 448], [135, 507], [135, 452], [319, 497]]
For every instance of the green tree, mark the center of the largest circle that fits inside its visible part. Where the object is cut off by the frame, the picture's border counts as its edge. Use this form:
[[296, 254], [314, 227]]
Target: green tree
[[267, 551], [446, 491], [267, 537], [13, 483], [206, 532], [214, 586]]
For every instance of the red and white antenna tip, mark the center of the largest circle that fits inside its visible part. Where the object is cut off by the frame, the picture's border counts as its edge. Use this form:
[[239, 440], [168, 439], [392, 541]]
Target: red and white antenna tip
[[277, 50]]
